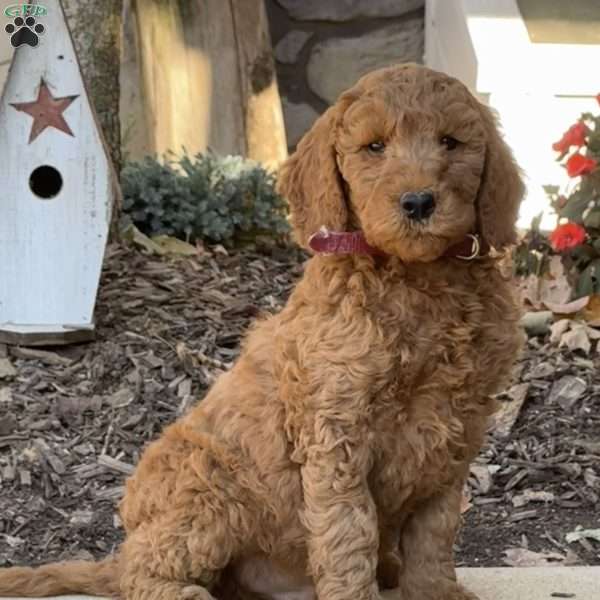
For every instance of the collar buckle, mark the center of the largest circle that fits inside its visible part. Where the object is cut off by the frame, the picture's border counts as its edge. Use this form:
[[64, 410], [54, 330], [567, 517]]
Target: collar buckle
[[475, 248]]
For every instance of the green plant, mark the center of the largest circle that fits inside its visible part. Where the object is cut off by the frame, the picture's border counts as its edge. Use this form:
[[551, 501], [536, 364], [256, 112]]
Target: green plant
[[577, 236], [218, 199]]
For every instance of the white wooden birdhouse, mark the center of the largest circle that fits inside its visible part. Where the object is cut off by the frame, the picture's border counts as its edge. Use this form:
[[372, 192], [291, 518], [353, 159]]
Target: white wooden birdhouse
[[57, 185]]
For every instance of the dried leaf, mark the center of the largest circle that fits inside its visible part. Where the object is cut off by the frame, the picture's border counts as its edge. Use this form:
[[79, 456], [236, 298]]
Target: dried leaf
[[135, 236], [592, 333], [121, 398], [576, 339], [557, 330], [568, 308], [483, 476], [583, 534], [591, 312], [171, 245], [566, 391], [521, 557], [555, 287]]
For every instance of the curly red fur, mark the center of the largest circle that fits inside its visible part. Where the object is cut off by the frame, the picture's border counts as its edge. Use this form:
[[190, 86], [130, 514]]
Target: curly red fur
[[330, 460]]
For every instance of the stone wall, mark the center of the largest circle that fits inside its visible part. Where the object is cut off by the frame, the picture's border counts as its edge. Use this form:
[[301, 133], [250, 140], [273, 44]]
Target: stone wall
[[323, 46]]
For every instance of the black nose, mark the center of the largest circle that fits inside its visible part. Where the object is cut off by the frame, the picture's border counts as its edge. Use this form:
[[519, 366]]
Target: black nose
[[417, 205]]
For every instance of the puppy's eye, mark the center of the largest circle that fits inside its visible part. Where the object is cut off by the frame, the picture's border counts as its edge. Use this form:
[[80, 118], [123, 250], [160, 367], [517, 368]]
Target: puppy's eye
[[376, 147], [449, 142]]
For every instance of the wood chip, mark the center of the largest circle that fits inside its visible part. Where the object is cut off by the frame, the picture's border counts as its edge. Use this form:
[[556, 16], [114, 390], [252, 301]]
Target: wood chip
[[509, 411], [522, 515], [532, 496], [25, 477], [6, 369], [46, 357], [115, 465]]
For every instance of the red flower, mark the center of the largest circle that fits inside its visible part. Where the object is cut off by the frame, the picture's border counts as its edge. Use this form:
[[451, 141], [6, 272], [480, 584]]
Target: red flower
[[598, 98], [580, 165], [574, 136], [567, 236]]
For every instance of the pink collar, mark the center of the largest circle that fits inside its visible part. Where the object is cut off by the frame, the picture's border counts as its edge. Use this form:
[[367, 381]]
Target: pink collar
[[354, 242], [341, 242]]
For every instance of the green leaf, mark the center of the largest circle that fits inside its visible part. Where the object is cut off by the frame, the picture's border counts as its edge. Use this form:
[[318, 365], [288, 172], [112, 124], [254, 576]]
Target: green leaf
[[551, 190], [536, 221], [585, 284], [204, 196], [592, 219], [589, 280], [573, 209]]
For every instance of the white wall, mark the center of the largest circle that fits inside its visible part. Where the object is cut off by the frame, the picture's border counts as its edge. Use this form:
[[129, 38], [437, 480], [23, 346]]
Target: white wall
[[539, 90]]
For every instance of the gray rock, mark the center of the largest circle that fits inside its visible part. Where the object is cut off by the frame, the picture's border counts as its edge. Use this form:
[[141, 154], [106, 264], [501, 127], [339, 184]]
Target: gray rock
[[290, 45], [336, 64], [537, 323], [298, 118], [347, 10]]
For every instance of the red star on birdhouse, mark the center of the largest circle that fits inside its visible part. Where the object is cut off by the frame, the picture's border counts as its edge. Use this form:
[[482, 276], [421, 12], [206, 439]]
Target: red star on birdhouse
[[47, 111]]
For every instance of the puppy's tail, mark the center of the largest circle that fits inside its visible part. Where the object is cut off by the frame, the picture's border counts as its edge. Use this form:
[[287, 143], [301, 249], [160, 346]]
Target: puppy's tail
[[73, 577]]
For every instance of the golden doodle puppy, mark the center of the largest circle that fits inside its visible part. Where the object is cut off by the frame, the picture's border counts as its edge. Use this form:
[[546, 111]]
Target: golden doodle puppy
[[329, 462]]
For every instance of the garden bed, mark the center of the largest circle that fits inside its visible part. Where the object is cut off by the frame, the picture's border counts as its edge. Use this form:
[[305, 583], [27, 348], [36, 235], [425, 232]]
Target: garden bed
[[73, 421]]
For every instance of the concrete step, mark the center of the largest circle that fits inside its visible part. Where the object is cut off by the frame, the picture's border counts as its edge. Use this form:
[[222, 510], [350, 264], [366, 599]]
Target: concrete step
[[533, 583], [547, 583]]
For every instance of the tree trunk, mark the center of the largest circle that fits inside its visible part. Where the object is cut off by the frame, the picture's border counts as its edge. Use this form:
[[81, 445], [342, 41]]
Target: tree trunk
[[96, 29]]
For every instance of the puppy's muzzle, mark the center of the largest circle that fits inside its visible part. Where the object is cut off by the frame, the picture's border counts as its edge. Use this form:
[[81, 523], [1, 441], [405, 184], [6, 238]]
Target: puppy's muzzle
[[418, 205]]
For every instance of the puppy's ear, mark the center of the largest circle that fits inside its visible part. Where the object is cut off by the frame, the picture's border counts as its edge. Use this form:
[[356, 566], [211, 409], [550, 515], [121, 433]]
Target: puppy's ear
[[311, 181], [501, 188]]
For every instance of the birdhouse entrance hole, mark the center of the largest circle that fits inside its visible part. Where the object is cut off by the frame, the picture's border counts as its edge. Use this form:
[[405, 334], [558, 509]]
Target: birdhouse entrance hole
[[46, 182]]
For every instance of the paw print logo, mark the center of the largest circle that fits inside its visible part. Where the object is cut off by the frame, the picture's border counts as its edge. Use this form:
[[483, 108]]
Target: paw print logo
[[24, 31]]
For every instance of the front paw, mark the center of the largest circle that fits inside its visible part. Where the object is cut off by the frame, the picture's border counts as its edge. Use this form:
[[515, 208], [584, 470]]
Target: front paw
[[195, 592]]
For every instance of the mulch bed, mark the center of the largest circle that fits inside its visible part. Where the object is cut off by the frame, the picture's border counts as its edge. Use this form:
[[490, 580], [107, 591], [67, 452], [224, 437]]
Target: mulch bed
[[538, 481], [74, 420]]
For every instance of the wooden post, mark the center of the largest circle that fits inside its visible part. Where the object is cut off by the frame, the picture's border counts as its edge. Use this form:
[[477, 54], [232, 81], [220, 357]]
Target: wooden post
[[206, 79], [263, 117]]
